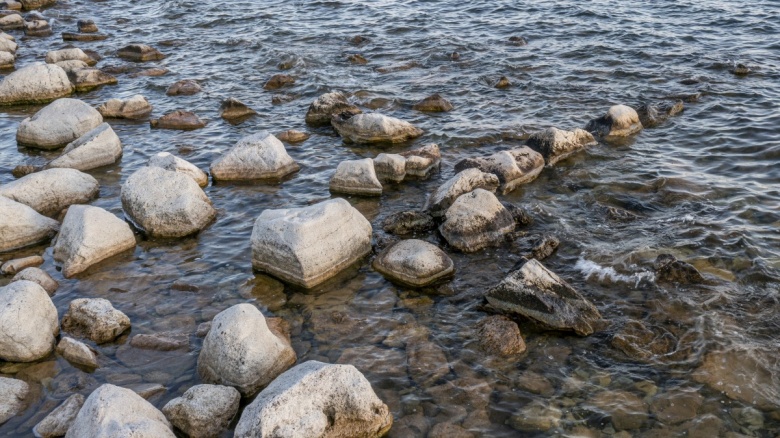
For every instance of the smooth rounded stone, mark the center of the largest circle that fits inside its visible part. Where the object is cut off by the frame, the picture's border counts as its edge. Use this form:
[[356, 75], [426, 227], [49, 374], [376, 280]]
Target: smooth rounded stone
[[278, 81], [162, 203], [77, 352], [37, 28], [7, 60], [180, 119], [626, 410], [87, 26], [71, 36], [654, 114], [373, 128], [184, 87], [513, 168], [356, 177], [58, 422], [315, 399], [97, 148], [536, 416], [422, 161], [50, 191], [475, 221], [676, 405], [241, 351], [161, 341], [503, 82], [414, 263], [257, 156], [89, 235], [39, 276], [293, 136], [308, 245], [11, 22], [11, 5], [56, 56], [28, 322], [71, 65], [741, 374], [328, 105], [537, 293], [408, 222], [203, 411], [499, 335], [517, 41], [22, 226], [433, 103], [136, 107], [463, 182], [390, 167], [619, 121], [95, 319], [36, 83], [58, 124], [7, 44], [13, 392], [234, 109], [173, 163], [11, 267], [85, 79], [111, 411], [669, 269], [139, 53], [556, 144]]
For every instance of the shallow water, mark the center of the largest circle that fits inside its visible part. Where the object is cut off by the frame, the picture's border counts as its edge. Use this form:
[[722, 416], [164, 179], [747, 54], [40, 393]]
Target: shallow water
[[704, 186]]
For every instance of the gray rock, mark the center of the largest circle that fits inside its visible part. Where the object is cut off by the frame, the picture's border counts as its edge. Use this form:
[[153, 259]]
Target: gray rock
[[356, 177], [85, 79], [175, 164], [184, 87], [11, 267], [36, 83], [257, 156], [13, 392], [95, 319], [619, 121], [76, 54], [422, 161], [71, 65], [50, 191], [58, 422], [463, 182], [390, 167], [408, 222], [475, 221], [373, 128], [556, 144], [203, 411], [39, 276], [7, 45], [22, 226], [139, 53], [28, 322], [7, 60], [513, 168], [77, 352], [136, 107], [97, 148], [57, 124], [326, 106], [545, 248], [414, 263]]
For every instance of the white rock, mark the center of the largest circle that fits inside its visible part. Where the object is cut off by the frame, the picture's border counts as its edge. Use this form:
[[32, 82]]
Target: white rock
[[374, 128], [95, 319], [56, 56], [39, 276], [89, 235], [309, 245], [7, 60], [111, 411], [11, 21], [241, 351], [72, 65], [36, 83], [11, 267], [414, 263], [463, 182], [422, 161], [315, 400], [203, 411], [619, 121], [50, 191], [58, 422], [326, 106], [58, 124], [8, 45], [556, 144], [77, 353], [13, 393], [136, 107], [257, 156], [390, 167], [97, 148], [513, 167], [162, 203], [356, 177], [22, 226], [476, 220], [175, 164], [28, 322]]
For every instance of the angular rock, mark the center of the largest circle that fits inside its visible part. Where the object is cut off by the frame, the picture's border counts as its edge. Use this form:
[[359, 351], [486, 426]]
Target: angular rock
[[95, 319], [258, 156], [234, 109], [626, 410], [433, 103], [173, 163], [97, 148], [136, 107], [56, 56], [408, 222], [556, 144], [326, 106], [29, 5], [71, 36], [500, 335], [475, 221], [293, 136], [37, 28], [182, 120], [309, 245], [203, 411], [414, 263], [316, 400], [77, 352], [537, 293], [28, 322], [85, 79], [373, 128], [87, 26], [11, 267], [390, 167], [22, 226], [50, 191], [619, 121], [36, 83], [162, 203], [161, 341], [356, 177], [39, 276], [13, 393], [513, 167], [57, 124], [668, 269], [463, 182], [242, 352], [278, 81], [184, 87], [139, 53], [58, 422], [652, 115], [11, 22], [545, 248], [422, 161]]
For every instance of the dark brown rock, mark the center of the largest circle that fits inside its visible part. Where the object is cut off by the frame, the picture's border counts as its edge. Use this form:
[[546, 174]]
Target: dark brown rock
[[278, 81], [358, 39], [408, 222], [292, 136], [184, 87], [545, 248], [669, 269], [433, 103], [517, 41], [72, 36], [139, 53], [500, 335], [234, 109], [503, 82], [278, 99], [184, 120], [357, 58], [87, 26]]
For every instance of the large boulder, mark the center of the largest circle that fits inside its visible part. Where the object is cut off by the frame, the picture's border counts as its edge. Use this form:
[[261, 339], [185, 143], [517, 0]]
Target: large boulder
[[463, 182], [414, 263], [175, 164], [309, 245], [97, 148], [89, 235], [28, 322], [513, 167], [373, 128], [95, 319], [203, 411], [58, 422], [22, 226], [257, 156], [58, 124], [13, 393], [36, 83], [326, 106], [619, 121], [162, 203], [111, 411], [316, 400], [356, 177], [476, 220], [135, 107], [537, 293], [556, 144], [50, 191], [241, 351]]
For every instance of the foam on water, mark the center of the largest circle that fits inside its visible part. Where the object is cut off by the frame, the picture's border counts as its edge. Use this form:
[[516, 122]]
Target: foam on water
[[592, 269]]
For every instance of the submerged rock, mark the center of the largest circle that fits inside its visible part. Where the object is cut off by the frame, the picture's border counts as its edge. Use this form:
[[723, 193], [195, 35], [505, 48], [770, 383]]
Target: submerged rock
[[39, 276], [619, 121], [97, 148], [50, 191], [22, 226], [76, 54], [139, 53], [513, 167], [556, 144], [28, 322], [11, 267], [161, 341], [638, 342], [234, 110], [414, 263], [203, 411], [95, 319], [422, 161], [183, 120], [463, 182], [173, 163], [517, 41], [356, 177], [58, 422], [625, 410], [476, 220], [258, 156], [390, 167], [433, 103], [408, 222], [85, 79], [545, 248], [58, 124], [293, 136], [499, 335], [136, 107], [36, 83], [743, 374], [536, 416], [77, 353], [373, 128], [652, 115], [326, 106], [278, 81], [13, 393], [184, 87], [669, 269], [503, 82]]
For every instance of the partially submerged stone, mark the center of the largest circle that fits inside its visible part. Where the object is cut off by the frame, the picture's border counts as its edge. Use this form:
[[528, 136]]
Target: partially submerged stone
[[37, 28], [742, 373], [414, 263], [36, 83], [625, 410], [72, 36], [203, 411], [58, 421], [77, 353], [173, 163], [654, 114], [11, 22], [136, 107], [356, 177], [390, 167], [373, 128], [180, 119], [326, 106], [499, 335], [8, 44], [408, 222], [139, 53], [11, 267], [28, 322], [513, 168], [161, 341], [556, 144], [184, 87], [669, 269], [463, 182], [21, 226], [503, 82], [293, 136], [7, 60], [87, 26], [97, 148], [13, 393], [475, 221], [619, 121], [258, 156], [50, 191], [278, 81], [422, 161], [56, 56], [39, 276], [234, 110], [58, 124], [95, 319], [433, 103], [86, 79], [29, 5], [71, 64]]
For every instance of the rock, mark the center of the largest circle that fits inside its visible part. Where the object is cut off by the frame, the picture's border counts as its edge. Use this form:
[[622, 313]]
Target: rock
[[357, 58], [77, 353], [24, 169], [183, 120], [11, 22], [11, 5], [517, 41], [22, 226], [234, 109], [326, 106], [56, 56], [500, 335], [373, 128], [90, 235], [513, 167], [390, 167], [503, 82], [11, 267], [556, 144], [58, 422], [203, 411], [449, 430], [475, 221], [257, 156], [97, 148], [741, 70], [71, 65], [161, 341], [39, 276], [95, 319], [173, 163], [414, 263], [28, 322], [748, 417], [638, 342], [151, 72], [85, 79], [278, 81], [58, 124], [278, 99], [13, 393], [7, 44], [136, 107], [162, 203], [408, 222], [111, 411], [29, 5], [652, 115], [669, 269], [316, 400], [33, 84], [537, 293], [626, 410], [241, 351], [427, 362], [536, 416], [292, 136], [422, 161], [184, 87], [7, 60], [619, 121], [742, 374], [309, 245], [433, 103], [37, 28], [50, 191], [463, 182], [356, 177], [70, 36], [545, 248], [139, 53], [87, 26], [147, 390], [677, 405]]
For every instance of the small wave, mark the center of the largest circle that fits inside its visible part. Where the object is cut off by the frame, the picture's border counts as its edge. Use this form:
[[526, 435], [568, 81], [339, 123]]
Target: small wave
[[590, 269]]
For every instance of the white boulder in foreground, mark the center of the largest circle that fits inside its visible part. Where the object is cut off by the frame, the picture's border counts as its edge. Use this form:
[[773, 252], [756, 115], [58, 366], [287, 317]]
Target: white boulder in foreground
[[309, 245], [258, 156], [59, 420], [28, 322], [414, 263], [13, 392], [556, 144], [22, 226], [50, 191], [135, 107], [173, 163], [203, 411], [373, 128], [316, 400], [162, 203], [97, 148], [619, 121], [58, 124], [513, 167], [476, 220], [463, 182], [356, 177], [111, 411], [36, 83], [95, 319]]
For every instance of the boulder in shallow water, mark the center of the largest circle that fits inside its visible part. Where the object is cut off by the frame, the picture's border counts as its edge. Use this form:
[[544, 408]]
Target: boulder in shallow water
[[95, 319], [7, 60], [433, 103], [136, 107], [463, 182], [36, 83], [476, 220], [422, 161], [13, 393], [58, 422], [50, 191], [28, 322], [293, 136], [513, 168], [203, 411], [499, 335], [669, 269], [182, 120], [257, 156], [414, 263], [77, 353], [37, 28], [556, 144], [278, 81], [326, 106], [234, 110], [356, 177], [373, 128], [76, 54], [139, 53], [390, 167], [86, 79], [654, 114], [184, 87], [37, 275], [619, 121], [58, 124], [173, 163], [97, 148], [742, 373], [22, 226], [87, 26], [29, 5], [408, 222]]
